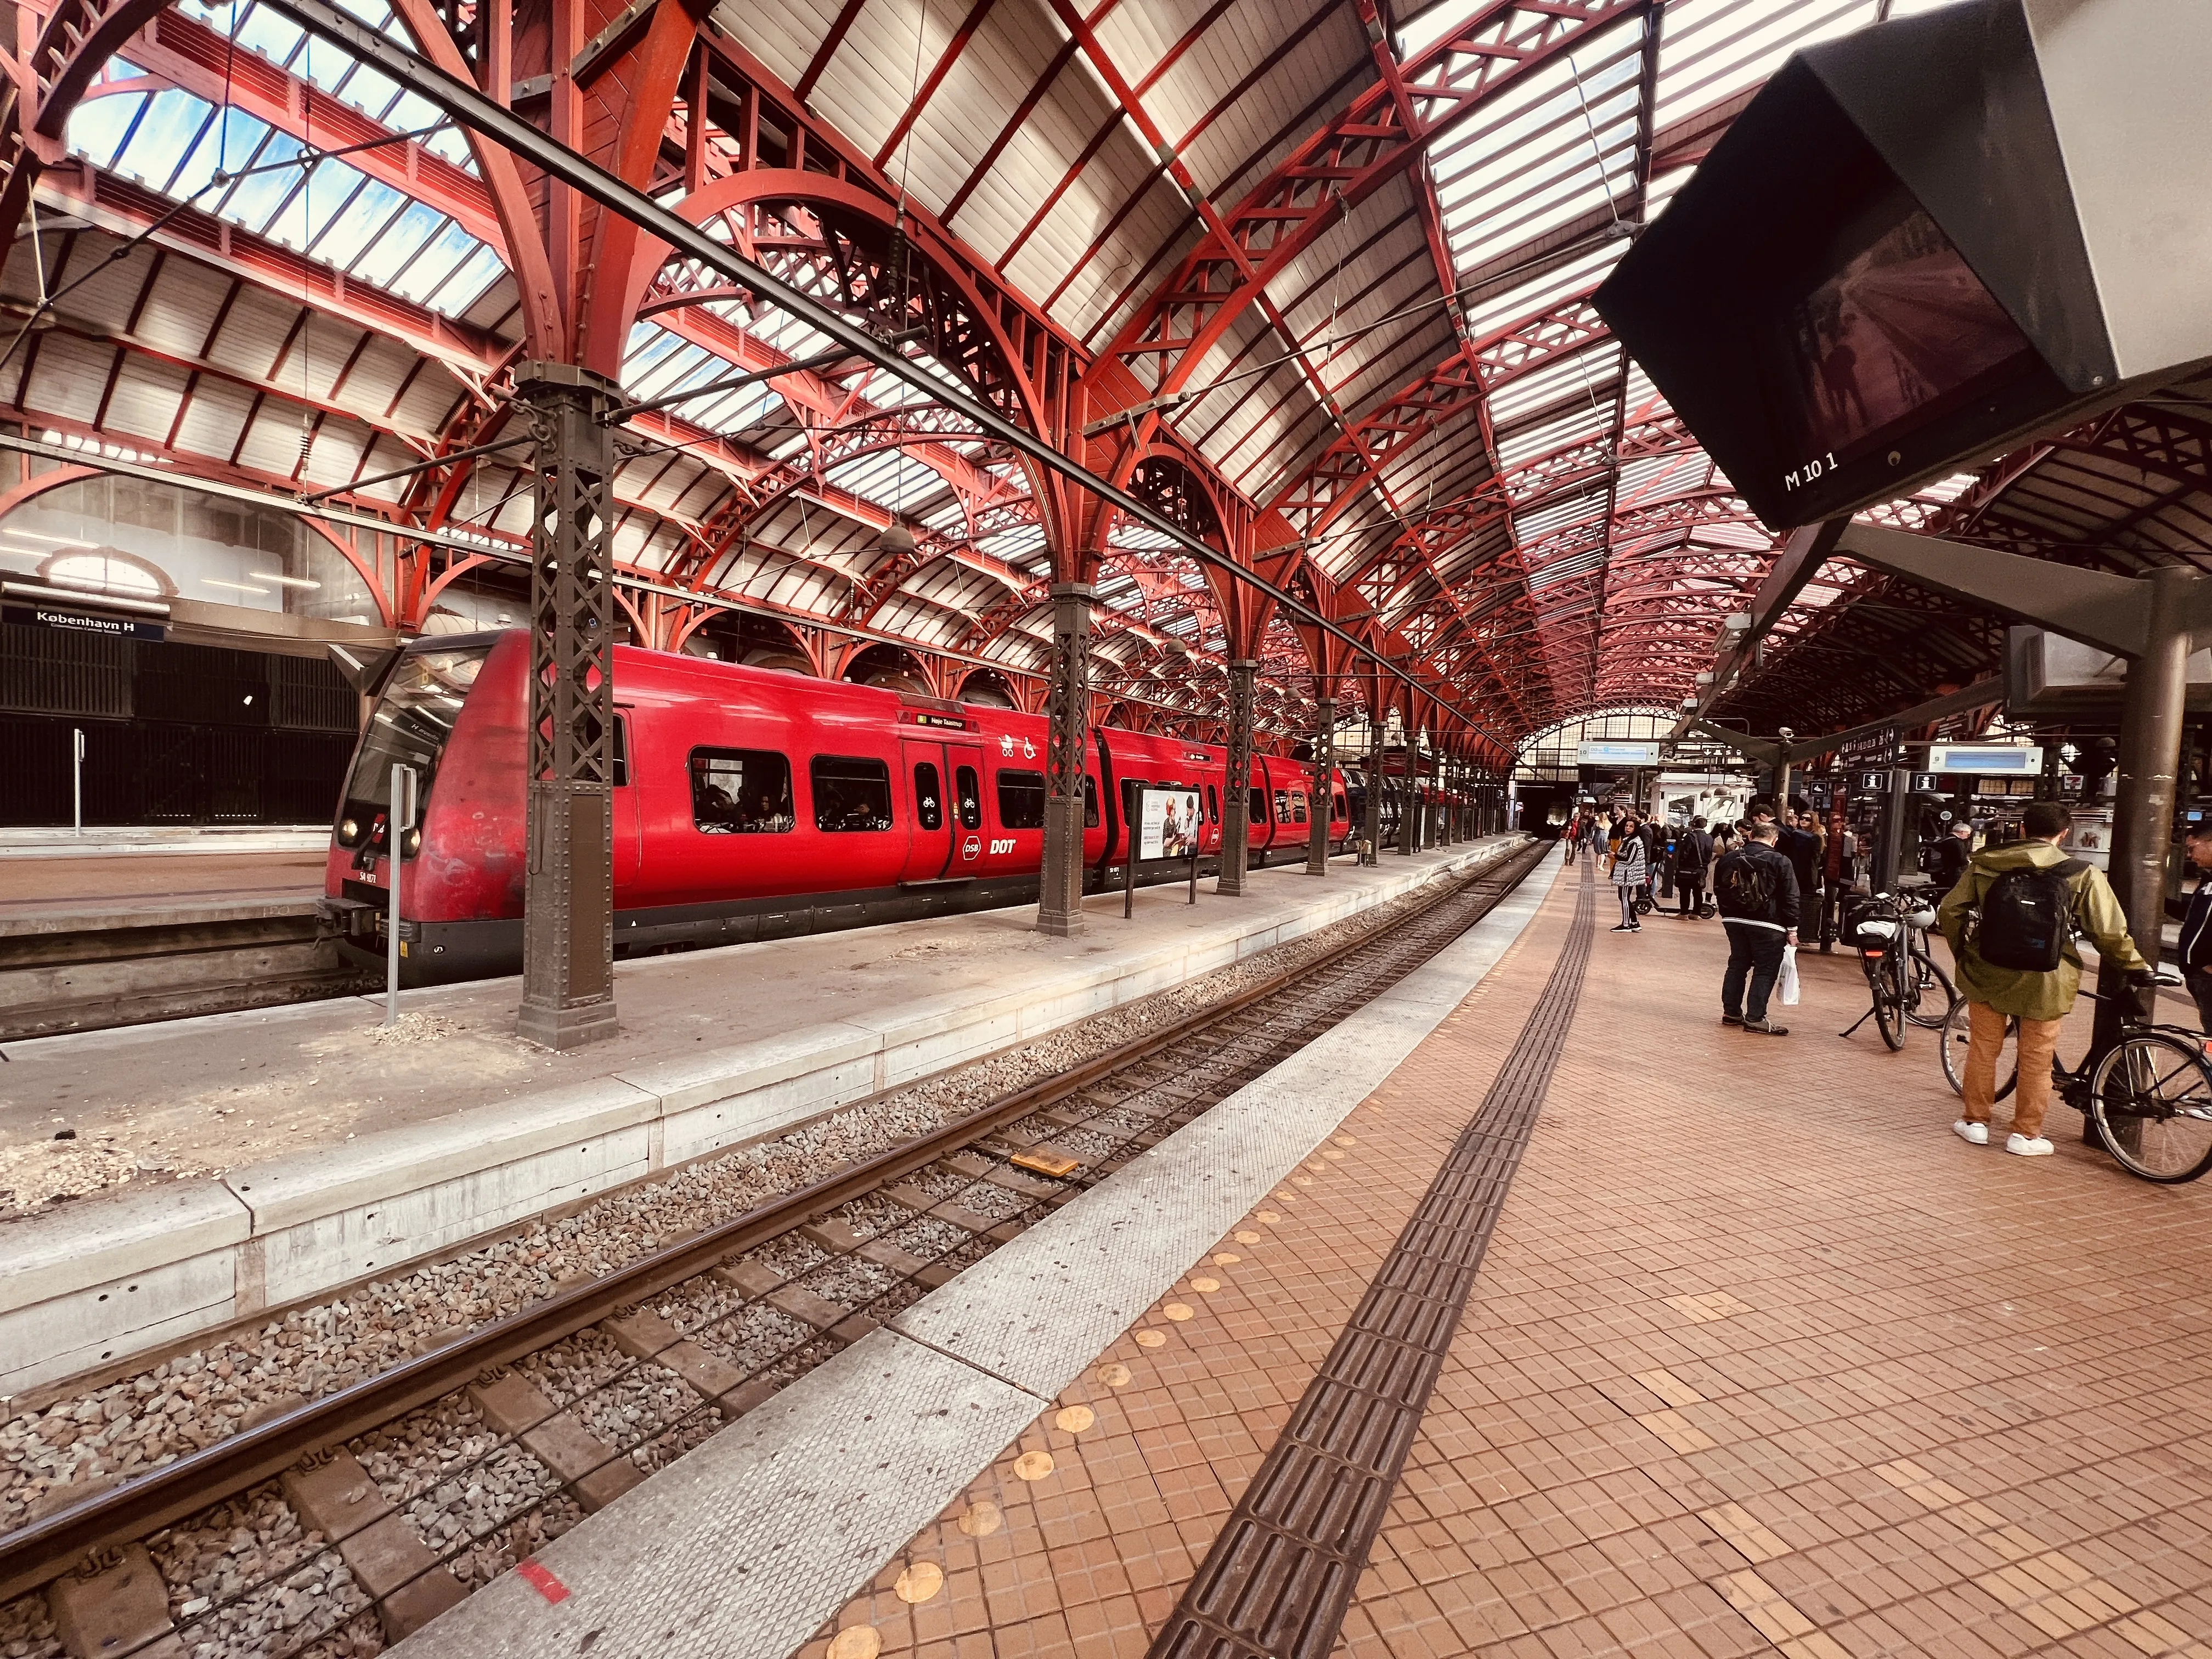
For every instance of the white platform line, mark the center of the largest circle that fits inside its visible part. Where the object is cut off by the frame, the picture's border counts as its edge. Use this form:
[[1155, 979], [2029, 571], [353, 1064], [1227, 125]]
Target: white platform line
[[750, 1543]]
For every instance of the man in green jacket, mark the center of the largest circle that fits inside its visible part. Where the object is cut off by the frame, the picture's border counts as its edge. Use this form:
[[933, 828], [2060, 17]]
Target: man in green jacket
[[2039, 1000]]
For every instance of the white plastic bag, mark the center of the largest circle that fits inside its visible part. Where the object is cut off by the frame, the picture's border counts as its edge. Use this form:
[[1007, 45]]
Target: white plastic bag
[[1785, 987]]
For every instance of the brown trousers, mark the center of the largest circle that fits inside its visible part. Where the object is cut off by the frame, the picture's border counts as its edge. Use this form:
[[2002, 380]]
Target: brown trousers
[[2038, 1042]]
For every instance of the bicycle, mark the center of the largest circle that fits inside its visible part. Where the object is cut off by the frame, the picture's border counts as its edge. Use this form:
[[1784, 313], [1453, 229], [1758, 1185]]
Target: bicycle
[[2150, 1095], [1903, 978]]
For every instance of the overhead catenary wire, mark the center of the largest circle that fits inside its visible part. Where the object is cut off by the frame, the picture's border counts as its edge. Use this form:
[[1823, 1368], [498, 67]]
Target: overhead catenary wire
[[469, 106]]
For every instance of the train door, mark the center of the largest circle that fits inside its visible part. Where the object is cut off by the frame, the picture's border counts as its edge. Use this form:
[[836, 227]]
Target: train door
[[930, 830], [629, 830], [966, 780]]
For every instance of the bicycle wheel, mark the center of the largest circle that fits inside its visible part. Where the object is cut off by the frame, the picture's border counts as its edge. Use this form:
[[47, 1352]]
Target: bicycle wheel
[[1889, 997], [1958, 1033], [1932, 994], [2152, 1101]]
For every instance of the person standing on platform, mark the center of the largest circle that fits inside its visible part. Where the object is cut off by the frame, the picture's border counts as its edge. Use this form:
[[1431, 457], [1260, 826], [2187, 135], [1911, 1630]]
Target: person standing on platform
[[2010, 925], [1757, 889], [1953, 854], [2194, 915], [1630, 869], [1693, 856]]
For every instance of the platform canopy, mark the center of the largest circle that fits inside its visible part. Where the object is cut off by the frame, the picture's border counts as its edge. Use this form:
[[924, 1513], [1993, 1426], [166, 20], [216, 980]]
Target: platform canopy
[[1313, 281]]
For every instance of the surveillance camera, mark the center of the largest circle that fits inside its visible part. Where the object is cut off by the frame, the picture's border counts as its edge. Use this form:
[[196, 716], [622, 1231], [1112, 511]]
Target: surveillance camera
[[1785, 732]]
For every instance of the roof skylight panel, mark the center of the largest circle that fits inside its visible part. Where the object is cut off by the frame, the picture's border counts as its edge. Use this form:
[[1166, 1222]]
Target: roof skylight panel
[[1554, 434], [1539, 293], [1588, 370], [1710, 53], [888, 478]]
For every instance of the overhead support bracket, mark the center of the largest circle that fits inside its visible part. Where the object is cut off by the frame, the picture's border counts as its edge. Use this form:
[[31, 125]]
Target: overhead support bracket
[[2109, 612]]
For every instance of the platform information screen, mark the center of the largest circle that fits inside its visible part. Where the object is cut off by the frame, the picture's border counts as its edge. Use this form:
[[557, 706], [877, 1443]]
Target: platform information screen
[[1168, 823], [1589, 753]]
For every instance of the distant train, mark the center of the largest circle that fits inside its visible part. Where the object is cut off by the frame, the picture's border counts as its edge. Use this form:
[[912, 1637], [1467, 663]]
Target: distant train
[[748, 805]]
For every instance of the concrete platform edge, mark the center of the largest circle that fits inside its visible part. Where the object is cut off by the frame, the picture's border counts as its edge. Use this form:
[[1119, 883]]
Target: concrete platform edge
[[89, 1287], [755, 1539]]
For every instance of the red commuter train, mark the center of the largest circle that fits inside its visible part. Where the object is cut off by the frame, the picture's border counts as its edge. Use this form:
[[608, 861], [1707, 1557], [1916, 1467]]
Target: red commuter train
[[748, 805]]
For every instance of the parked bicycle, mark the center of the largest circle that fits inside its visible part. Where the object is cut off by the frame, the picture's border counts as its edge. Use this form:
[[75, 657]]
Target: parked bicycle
[[2150, 1095], [1904, 982]]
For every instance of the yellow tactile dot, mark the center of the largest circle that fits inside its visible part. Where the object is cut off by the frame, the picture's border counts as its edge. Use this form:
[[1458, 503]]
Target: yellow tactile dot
[[1266, 1216], [1205, 1286], [1033, 1466], [1074, 1419], [860, 1642], [1150, 1338], [1114, 1375], [1346, 1140], [1247, 1237], [1331, 1151], [981, 1519], [1229, 1258], [1303, 1179], [1178, 1310], [919, 1582]]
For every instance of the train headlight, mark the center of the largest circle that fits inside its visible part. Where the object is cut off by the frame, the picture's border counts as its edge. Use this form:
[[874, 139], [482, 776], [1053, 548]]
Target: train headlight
[[410, 843], [349, 832]]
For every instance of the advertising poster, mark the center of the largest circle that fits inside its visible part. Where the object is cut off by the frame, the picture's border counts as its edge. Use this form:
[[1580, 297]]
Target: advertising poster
[[1168, 823]]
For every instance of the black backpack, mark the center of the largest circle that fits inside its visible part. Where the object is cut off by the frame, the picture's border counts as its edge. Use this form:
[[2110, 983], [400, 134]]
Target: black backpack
[[1748, 883], [2027, 916]]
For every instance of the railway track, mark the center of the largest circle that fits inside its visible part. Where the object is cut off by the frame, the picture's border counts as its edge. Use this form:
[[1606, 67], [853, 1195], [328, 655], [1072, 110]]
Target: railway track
[[346, 1522]]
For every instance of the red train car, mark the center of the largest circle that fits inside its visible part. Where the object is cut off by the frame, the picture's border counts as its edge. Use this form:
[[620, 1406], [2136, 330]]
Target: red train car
[[748, 805]]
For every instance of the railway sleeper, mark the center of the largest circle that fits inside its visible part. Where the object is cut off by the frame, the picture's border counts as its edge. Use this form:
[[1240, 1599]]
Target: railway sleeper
[[333, 1495], [116, 1604], [594, 1473]]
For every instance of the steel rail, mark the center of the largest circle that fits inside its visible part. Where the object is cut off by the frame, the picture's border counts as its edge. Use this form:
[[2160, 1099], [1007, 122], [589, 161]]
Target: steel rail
[[33, 1556], [473, 109]]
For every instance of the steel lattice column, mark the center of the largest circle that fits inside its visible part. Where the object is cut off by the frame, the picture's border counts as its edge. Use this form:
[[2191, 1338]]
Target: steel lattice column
[[1321, 798], [1067, 733], [1237, 787], [1409, 810], [568, 926], [1447, 827], [1371, 834]]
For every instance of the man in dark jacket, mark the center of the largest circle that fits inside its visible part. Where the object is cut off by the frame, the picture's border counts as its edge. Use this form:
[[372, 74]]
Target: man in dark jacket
[[1693, 856], [1758, 893], [1953, 854], [2194, 915]]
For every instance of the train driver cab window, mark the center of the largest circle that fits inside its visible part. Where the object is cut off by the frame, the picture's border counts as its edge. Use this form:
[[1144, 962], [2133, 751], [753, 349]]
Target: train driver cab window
[[929, 795], [621, 752], [851, 794], [1282, 806], [971, 797], [1212, 805], [1298, 806], [740, 792], [1021, 800], [1090, 802]]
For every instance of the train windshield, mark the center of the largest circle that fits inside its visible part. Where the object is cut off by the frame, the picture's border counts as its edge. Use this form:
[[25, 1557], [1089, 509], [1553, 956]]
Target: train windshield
[[413, 719]]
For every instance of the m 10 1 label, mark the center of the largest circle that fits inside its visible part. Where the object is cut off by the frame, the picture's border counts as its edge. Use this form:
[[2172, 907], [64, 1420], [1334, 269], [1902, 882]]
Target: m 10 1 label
[[1809, 471]]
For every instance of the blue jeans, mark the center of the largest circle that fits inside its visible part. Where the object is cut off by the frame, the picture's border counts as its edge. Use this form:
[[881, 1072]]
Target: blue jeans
[[1755, 952]]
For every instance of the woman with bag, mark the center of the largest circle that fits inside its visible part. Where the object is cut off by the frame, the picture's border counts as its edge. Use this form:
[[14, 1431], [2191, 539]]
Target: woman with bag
[[1631, 868]]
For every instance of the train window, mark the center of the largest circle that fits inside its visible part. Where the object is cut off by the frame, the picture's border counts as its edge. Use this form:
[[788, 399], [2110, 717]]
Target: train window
[[1090, 802], [1021, 800], [1212, 805], [740, 792], [1255, 809], [851, 794], [621, 752], [971, 803], [1298, 806], [1282, 806], [1341, 810], [929, 795]]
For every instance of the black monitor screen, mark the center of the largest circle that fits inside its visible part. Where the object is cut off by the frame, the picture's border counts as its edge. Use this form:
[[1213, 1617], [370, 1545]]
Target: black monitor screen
[[1902, 328]]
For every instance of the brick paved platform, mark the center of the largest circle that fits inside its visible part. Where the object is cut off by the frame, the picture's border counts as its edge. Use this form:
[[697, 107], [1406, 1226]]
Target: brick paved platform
[[1762, 1358]]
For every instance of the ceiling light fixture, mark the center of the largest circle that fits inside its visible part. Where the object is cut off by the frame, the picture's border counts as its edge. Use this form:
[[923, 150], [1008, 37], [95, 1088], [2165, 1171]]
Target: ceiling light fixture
[[238, 587], [282, 581], [58, 541]]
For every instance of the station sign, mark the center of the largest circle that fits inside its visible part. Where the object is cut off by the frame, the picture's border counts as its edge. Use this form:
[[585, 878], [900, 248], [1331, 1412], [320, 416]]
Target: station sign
[[78, 621], [1987, 759], [1616, 754], [1879, 745], [1874, 783]]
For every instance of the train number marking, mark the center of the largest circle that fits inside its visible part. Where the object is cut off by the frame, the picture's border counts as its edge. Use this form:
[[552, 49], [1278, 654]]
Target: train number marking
[[1006, 846], [971, 847]]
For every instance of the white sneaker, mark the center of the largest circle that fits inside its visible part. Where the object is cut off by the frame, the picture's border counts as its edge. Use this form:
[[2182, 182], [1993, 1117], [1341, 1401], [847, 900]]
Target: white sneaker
[[1974, 1134], [2021, 1146]]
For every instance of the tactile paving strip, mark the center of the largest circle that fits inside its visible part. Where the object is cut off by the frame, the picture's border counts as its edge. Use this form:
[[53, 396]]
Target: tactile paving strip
[[1282, 1570]]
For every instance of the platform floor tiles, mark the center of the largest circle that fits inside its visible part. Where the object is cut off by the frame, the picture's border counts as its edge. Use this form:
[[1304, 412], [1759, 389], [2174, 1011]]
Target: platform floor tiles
[[1762, 1357]]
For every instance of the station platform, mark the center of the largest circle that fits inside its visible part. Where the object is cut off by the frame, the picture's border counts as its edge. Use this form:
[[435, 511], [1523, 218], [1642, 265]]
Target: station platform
[[1760, 1358], [222, 1167]]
